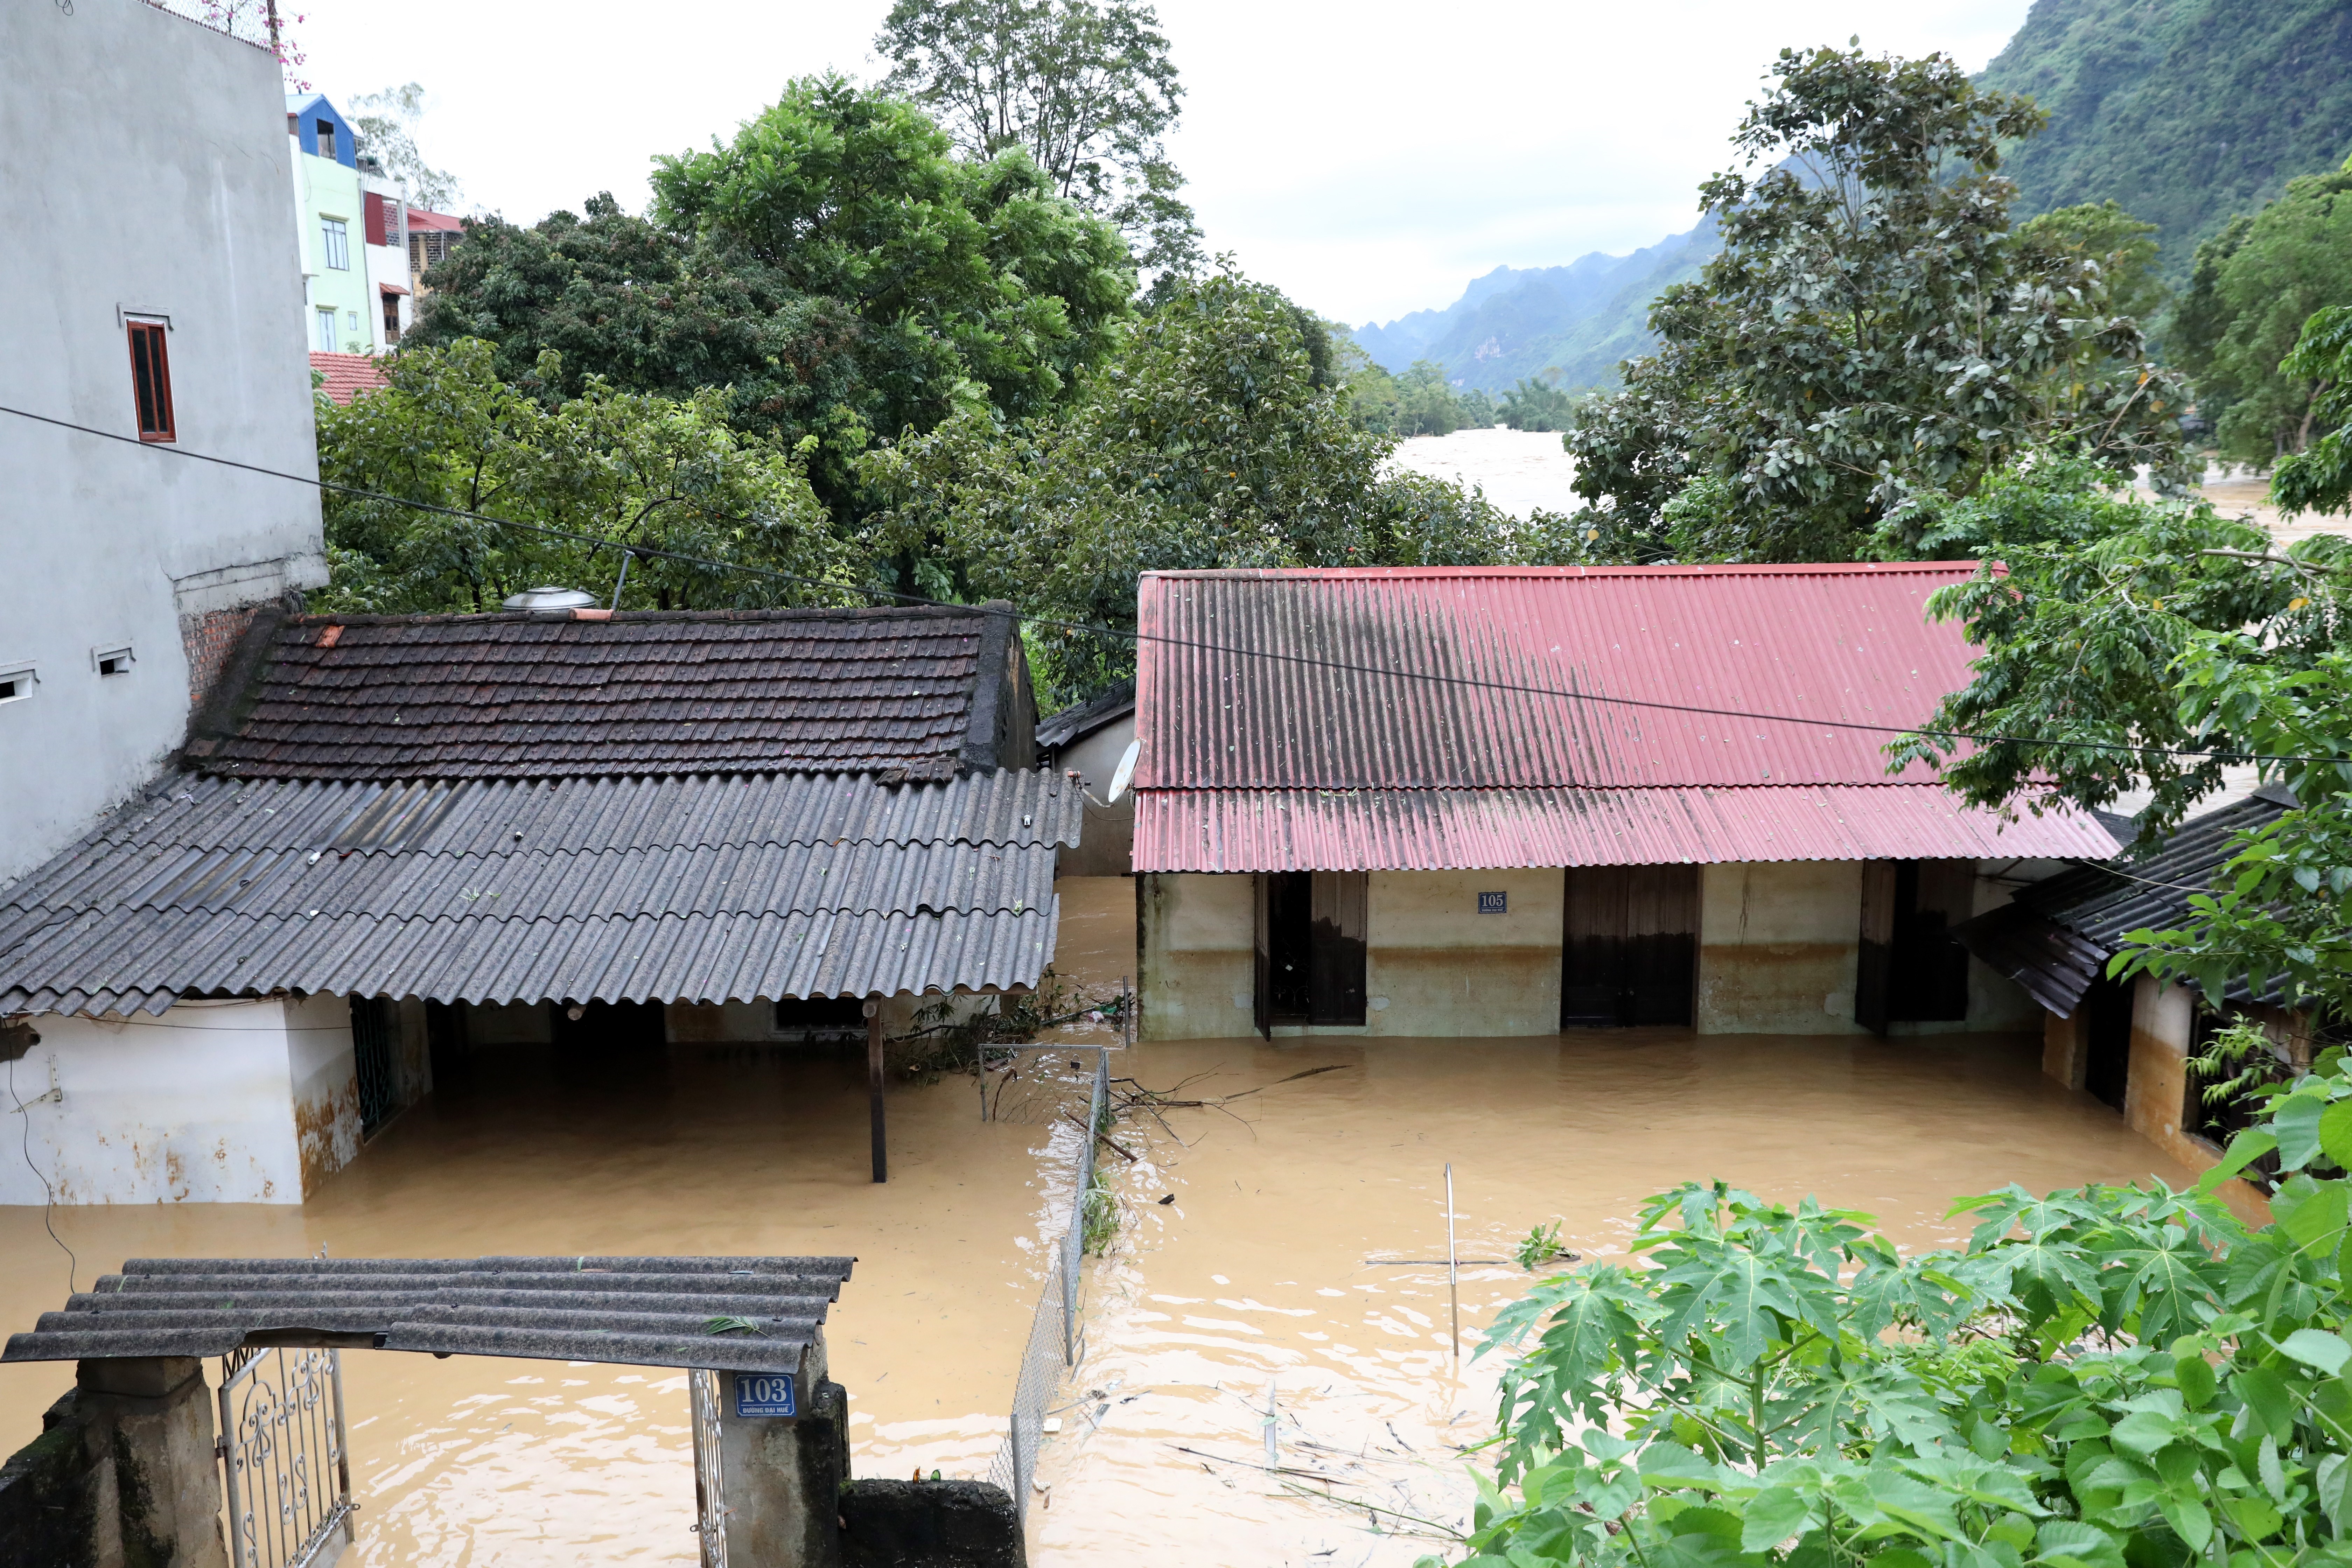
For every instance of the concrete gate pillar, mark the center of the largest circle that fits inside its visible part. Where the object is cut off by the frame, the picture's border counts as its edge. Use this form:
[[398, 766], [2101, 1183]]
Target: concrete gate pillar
[[783, 1474], [147, 1427]]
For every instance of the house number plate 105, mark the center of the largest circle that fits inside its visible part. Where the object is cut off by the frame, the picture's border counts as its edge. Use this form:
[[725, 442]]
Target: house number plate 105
[[764, 1394]]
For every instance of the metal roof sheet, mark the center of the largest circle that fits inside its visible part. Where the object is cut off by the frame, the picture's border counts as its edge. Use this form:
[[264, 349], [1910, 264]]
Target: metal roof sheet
[[2055, 937], [1494, 829], [644, 1311], [1084, 719], [1387, 677], [697, 890], [580, 694]]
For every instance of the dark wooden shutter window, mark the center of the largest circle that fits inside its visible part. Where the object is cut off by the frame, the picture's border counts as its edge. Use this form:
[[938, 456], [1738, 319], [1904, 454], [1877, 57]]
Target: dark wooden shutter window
[[151, 381], [372, 218]]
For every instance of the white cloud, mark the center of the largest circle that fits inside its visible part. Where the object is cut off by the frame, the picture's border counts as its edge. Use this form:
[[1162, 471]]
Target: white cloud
[[1367, 158]]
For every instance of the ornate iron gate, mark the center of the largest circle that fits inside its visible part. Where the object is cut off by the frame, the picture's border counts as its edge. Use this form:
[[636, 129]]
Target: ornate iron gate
[[709, 1475], [287, 1474]]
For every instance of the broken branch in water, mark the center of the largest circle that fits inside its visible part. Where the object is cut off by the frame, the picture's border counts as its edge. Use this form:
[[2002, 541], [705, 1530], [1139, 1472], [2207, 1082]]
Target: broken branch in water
[[1160, 1101], [1104, 1137]]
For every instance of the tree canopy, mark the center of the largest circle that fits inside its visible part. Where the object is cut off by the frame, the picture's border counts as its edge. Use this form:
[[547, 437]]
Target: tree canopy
[[1086, 89], [1871, 326], [835, 268], [1211, 440], [2253, 287], [386, 124], [563, 490]]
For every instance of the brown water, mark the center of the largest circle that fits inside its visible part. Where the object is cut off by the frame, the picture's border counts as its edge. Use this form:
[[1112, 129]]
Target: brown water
[[473, 1460], [1258, 1271]]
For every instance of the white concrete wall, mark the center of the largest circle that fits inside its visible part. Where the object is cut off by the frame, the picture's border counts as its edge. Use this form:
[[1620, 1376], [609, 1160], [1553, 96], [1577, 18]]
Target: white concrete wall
[[249, 1102], [1106, 842], [144, 170]]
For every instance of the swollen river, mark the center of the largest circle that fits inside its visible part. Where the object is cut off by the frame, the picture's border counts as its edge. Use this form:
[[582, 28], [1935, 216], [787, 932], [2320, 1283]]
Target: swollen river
[[1291, 1258]]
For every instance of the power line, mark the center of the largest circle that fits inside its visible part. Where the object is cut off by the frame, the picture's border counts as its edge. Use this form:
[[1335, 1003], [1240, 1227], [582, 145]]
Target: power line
[[1116, 633]]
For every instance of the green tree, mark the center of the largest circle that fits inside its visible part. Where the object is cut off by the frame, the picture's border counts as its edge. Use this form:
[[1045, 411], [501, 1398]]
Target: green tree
[[1425, 405], [386, 123], [835, 268], [1537, 404], [2319, 477], [2119, 245], [1210, 441], [616, 470], [2131, 647], [1871, 326], [1086, 89], [2253, 287]]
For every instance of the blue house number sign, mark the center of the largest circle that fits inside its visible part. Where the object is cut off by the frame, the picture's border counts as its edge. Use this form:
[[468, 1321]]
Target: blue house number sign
[[764, 1394], [1494, 903]]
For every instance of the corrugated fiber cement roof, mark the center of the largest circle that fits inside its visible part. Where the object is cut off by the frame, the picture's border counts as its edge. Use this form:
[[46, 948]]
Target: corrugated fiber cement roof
[[669, 889]]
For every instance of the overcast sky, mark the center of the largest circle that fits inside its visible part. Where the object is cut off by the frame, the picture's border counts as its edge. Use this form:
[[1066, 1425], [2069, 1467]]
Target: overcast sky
[[1370, 159]]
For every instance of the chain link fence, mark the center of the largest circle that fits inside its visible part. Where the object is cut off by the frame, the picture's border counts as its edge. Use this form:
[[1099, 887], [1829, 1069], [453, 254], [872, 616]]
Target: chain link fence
[[1057, 1334], [251, 22]]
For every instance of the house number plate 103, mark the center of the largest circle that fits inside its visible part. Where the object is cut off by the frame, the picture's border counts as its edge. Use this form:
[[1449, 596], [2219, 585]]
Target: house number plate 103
[[764, 1394]]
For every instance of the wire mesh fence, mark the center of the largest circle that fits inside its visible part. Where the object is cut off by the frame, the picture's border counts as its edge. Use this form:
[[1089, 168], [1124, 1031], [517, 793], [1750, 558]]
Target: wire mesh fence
[[1056, 1337], [252, 22]]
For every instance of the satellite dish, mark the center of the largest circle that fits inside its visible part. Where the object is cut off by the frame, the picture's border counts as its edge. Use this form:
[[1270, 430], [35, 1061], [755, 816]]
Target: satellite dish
[[1126, 770]]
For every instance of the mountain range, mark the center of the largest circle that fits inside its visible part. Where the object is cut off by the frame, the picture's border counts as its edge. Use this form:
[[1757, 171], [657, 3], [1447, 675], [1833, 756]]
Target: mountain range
[[2183, 110]]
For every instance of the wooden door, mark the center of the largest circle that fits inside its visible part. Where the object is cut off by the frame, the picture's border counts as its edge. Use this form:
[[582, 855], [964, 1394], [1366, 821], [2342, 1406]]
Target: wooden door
[[1874, 967], [1262, 957], [1338, 904], [1629, 955]]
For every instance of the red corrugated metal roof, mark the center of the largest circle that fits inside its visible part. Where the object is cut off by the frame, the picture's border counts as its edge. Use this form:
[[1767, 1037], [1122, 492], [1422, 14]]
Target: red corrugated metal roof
[[1493, 829], [348, 375], [419, 218], [1473, 682]]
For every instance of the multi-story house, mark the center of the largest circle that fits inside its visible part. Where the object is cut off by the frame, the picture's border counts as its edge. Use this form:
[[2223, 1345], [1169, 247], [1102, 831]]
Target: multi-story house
[[131, 570], [354, 232]]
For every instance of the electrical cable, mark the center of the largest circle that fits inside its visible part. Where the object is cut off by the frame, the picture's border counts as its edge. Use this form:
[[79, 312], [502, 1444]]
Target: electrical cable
[[48, 1194], [1138, 636]]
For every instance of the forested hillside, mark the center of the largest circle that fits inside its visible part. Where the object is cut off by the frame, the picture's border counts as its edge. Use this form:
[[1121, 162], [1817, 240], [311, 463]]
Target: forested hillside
[[1568, 325], [2186, 112]]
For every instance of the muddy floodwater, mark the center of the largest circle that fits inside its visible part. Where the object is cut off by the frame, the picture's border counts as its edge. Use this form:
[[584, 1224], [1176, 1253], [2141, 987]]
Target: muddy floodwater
[[1294, 1255]]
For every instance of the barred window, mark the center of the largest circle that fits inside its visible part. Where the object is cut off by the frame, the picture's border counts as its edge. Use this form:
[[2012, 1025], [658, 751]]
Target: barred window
[[151, 381]]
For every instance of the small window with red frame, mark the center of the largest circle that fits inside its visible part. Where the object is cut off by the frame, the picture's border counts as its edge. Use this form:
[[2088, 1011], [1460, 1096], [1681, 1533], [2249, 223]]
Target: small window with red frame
[[151, 381]]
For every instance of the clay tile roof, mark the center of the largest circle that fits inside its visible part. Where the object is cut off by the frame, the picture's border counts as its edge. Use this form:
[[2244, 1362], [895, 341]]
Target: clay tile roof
[[348, 375], [899, 693]]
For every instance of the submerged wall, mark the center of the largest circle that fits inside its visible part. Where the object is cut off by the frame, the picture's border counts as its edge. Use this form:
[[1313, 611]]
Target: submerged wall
[[1778, 942], [1195, 956], [247, 1101], [1437, 968]]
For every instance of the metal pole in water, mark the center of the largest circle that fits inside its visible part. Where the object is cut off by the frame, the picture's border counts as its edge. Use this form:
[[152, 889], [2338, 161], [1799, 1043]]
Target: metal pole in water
[[874, 1086], [1453, 1291], [1272, 1446]]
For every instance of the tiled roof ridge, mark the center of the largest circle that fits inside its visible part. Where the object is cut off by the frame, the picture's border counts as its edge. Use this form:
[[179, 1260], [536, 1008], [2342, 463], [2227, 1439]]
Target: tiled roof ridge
[[639, 617]]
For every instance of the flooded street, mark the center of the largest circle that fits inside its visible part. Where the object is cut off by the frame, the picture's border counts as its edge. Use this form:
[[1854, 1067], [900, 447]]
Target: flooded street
[[1293, 1254]]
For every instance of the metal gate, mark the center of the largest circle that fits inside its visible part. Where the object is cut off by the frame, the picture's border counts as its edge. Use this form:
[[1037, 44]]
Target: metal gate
[[286, 1473], [709, 1475]]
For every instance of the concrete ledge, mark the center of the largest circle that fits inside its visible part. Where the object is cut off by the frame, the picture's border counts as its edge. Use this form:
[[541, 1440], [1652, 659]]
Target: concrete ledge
[[929, 1524]]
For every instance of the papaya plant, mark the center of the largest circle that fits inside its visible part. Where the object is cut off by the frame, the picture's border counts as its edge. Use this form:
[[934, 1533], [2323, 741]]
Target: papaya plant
[[2107, 1377]]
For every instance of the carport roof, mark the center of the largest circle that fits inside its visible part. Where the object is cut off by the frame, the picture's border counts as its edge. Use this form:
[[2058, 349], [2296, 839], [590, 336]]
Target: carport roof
[[667, 889], [734, 1314]]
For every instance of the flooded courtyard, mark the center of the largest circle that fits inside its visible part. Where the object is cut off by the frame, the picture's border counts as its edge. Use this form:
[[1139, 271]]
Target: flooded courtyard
[[1295, 1257]]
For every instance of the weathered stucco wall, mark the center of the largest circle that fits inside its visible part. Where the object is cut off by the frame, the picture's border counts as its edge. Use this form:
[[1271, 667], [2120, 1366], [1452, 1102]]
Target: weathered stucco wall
[[145, 174], [2157, 1088], [1107, 841], [1777, 947], [1197, 979], [2066, 1047], [1438, 968], [213, 1102]]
